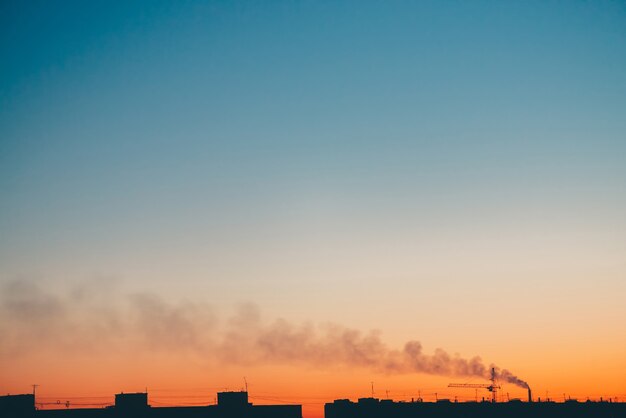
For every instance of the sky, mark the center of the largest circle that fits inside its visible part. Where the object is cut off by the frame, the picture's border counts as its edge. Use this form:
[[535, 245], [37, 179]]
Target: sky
[[446, 172]]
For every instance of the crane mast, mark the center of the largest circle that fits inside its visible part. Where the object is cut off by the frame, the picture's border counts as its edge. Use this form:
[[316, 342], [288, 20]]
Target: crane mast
[[493, 387]]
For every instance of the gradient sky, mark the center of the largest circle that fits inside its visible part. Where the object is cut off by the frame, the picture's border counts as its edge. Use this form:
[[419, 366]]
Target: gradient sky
[[452, 172]]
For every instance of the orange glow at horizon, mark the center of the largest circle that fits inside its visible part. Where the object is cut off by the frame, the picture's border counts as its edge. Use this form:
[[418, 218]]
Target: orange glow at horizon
[[176, 381]]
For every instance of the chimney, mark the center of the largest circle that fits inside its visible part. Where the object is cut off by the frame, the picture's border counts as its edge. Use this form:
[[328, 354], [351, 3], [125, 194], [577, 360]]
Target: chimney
[[530, 395]]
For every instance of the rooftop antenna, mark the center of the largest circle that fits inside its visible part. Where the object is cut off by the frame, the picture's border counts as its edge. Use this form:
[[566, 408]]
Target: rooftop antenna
[[387, 393], [246, 383], [372, 389]]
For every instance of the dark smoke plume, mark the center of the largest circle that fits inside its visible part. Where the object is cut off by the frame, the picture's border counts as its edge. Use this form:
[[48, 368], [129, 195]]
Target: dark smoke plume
[[508, 377], [29, 312]]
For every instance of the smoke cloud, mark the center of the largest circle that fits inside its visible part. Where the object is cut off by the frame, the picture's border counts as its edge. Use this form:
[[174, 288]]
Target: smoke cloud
[[28, 313]]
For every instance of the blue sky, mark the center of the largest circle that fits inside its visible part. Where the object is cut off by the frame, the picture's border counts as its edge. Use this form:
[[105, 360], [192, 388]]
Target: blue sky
[[291, 152]]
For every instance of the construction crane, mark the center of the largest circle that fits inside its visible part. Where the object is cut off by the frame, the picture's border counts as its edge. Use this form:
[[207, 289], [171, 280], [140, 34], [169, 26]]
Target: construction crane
[[493, 387]]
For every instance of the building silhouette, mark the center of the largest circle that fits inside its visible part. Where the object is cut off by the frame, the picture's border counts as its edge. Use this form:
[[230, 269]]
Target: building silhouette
[[444, 408], [236, 405], [135, 405]]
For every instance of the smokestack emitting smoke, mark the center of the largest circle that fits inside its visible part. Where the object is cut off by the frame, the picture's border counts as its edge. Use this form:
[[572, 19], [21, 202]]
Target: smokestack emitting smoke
[[71, 322]]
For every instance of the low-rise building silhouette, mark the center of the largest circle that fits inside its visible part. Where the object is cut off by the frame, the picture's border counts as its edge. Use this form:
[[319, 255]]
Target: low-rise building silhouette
[[236, 405], [17, 405], [135, 405], [444, 408]]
